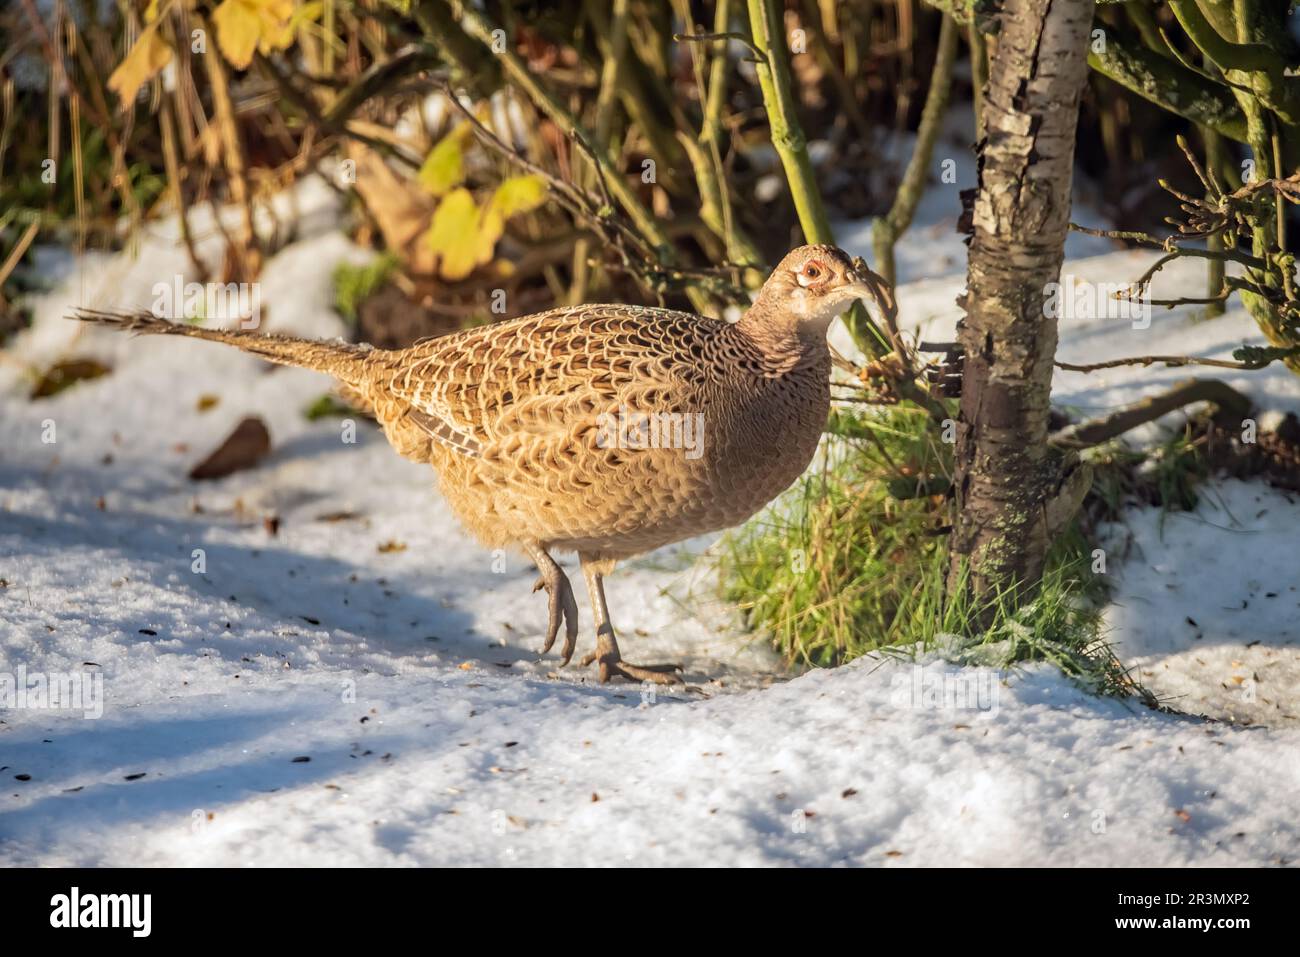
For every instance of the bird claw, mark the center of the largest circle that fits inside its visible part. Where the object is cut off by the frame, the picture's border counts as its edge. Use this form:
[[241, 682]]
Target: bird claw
[[561, 605], [612, 665]]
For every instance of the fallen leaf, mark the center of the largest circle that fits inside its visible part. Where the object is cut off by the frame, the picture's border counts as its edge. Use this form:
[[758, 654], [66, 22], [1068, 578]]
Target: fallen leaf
[[391, 546], [244, 447], [63, 374]]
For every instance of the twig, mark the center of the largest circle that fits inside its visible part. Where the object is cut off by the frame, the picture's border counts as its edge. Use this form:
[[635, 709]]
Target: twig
[[304, 102], [378, 78], [1171, 361], [758, 55], [1131, 235], [574, 200], [637, 258], [16, 253], [481, 29], [1095, 431]]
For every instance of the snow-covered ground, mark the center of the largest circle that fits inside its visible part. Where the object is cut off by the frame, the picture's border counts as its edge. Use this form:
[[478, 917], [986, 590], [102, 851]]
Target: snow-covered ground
[[363, 685]]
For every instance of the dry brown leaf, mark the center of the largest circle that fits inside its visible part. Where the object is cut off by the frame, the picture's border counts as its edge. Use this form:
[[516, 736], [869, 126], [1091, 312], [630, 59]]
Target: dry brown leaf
[[242, 449], [401, 208]]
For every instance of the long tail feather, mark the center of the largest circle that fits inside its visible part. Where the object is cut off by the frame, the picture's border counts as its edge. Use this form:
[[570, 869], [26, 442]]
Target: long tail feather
[[342, 360]]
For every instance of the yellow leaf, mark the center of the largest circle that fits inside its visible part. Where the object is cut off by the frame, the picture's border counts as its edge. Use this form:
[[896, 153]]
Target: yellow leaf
[[453, 232], [149, 55], [518, 194], [246, 25], [238, 28], [444, 167]]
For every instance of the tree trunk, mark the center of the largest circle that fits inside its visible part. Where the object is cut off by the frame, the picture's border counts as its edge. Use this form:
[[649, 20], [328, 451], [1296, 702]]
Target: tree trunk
[[1012, 494]]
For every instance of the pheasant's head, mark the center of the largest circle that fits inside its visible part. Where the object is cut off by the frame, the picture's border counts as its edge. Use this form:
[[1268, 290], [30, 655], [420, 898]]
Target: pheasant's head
[[814, 284]]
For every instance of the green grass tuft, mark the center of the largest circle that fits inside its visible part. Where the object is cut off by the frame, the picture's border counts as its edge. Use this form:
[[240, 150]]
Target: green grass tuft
[[854, 559]]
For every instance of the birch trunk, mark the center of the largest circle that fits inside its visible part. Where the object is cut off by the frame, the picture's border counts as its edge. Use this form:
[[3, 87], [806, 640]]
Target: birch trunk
[[1012, 494]]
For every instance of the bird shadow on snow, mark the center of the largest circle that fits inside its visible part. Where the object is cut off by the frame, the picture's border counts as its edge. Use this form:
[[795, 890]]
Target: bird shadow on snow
[[210, 752], [79, 761], [289, 593], [263, 597]]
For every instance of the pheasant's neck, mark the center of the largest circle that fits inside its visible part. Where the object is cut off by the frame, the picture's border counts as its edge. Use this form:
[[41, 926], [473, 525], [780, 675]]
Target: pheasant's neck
[[780, 343]]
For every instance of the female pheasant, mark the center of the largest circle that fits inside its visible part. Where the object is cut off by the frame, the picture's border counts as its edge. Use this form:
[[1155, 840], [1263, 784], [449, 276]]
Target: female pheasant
[[607, 430]]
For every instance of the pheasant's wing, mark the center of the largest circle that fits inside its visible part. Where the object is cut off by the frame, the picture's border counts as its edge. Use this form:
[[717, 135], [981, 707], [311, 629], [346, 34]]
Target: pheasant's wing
[[537, 392]]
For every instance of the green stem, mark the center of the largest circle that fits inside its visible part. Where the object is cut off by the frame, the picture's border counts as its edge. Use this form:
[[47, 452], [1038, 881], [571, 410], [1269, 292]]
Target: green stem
[[1214, 154], [792, 147], [1169, 85], [605, 100], [890, 227], [787, 135]]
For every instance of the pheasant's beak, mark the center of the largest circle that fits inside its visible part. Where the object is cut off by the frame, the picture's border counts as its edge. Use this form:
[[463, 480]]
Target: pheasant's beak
[[870, 287]]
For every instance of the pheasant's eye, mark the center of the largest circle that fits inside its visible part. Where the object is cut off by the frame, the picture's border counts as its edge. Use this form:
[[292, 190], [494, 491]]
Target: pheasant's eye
[[811, 273]]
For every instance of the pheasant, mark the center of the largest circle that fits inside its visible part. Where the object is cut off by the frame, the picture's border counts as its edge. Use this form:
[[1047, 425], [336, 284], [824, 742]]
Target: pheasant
[[605, 430]]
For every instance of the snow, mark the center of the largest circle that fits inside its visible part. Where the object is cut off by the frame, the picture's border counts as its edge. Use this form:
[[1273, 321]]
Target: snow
[[462, 768], [434, 733], [1218, 633]]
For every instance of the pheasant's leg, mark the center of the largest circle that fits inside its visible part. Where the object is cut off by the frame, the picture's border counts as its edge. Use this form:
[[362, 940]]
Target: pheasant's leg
[[611, 662], [562, 603]]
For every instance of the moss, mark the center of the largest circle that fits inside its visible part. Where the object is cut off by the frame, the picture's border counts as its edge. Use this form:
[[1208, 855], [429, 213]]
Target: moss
[[354, 284]]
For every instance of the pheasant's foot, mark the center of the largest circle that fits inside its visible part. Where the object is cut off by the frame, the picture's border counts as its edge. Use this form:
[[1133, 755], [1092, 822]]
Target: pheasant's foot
[[612, 664], [561, 605]]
